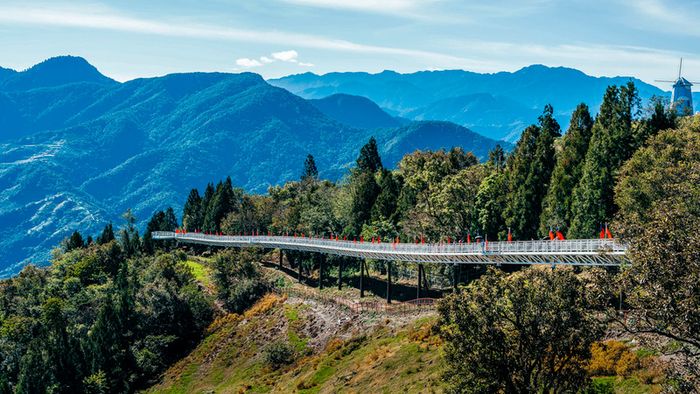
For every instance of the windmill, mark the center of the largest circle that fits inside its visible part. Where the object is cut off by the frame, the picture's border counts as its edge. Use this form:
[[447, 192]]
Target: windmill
[[682, 97]]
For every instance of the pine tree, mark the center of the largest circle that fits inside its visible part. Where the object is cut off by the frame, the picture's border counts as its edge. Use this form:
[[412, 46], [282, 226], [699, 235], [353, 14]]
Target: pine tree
[[497, 158], [209, 193], [193, 213], [369, 159], [612, 142], [491, 203], [169, 221], [385, 206], [530, 169], [556, 210], [75, 241], [129, 236], [364, 186], [310, 171], [107, 235]]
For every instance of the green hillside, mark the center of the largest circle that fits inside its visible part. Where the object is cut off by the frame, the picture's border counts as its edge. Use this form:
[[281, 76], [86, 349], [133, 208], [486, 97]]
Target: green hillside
[[371, 355]]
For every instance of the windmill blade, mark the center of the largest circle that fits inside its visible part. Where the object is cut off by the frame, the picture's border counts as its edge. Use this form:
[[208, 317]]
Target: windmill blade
[[661, 80]]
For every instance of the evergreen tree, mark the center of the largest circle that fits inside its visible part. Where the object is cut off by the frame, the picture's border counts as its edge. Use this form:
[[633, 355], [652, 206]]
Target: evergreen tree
[[612, 142], [129, 236], [310, 170], [107, 235], [63, 364], [497, 158], [209, 192], [556, 210], [193, 213], [75, 241], [385, 206], [225, 200], [169, 220], [530, 169], [491, 203], [369, 160], [364, 187]]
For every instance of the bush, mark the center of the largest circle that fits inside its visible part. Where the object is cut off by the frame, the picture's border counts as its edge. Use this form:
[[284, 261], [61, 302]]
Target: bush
[[279, 354], [245, 293], [611, 358], [239, 282]]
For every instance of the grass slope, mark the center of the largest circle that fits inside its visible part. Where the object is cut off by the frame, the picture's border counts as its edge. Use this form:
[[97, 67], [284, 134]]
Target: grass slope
[[386, 358]]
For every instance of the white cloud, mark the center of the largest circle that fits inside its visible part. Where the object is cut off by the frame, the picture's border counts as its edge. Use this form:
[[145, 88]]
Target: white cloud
[[101, 20], [286, 56], [382, 6], [290, 56], [665, 19], [247, 63]]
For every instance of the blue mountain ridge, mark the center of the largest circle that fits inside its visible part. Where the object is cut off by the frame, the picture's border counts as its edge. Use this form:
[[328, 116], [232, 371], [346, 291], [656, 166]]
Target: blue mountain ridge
[[496, 105], [77, 148]]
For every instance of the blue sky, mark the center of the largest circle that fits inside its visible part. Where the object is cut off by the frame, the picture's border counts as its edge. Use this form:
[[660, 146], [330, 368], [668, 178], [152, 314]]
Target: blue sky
[[134, 38]]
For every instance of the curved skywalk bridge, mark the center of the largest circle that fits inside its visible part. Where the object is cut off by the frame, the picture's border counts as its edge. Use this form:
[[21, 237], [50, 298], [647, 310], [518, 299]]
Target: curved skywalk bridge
[[582, 252]]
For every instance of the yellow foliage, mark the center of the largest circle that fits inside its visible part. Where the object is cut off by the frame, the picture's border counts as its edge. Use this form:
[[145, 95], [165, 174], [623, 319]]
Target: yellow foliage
[[222, 321], [265, 304], [612, 358]]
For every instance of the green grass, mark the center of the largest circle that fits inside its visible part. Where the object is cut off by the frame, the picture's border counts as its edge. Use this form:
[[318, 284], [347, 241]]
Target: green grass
[[630, 385], [230, 360], [201, 272]]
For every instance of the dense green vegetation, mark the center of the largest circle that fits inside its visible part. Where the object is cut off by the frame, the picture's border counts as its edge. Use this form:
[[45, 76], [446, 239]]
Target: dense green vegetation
[[113, 312]]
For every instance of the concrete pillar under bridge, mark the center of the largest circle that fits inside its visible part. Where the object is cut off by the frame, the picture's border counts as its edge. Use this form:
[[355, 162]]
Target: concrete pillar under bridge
[[281, 259], [321, 260], [362, 278], [340, 273], [388, 282]]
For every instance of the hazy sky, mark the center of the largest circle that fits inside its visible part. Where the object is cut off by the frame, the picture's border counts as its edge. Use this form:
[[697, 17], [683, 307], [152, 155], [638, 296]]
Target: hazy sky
[[135, 38]]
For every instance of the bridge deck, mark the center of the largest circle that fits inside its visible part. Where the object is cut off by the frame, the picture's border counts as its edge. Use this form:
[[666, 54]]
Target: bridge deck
[[585, 252]]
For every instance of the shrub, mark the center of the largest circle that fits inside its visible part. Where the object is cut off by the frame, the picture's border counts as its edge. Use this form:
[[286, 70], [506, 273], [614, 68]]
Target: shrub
[[612, 358], [245, 293], [279, 354]]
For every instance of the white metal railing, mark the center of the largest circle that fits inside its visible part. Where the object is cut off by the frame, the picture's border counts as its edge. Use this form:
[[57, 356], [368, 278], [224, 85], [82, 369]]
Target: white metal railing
[[578, 251]]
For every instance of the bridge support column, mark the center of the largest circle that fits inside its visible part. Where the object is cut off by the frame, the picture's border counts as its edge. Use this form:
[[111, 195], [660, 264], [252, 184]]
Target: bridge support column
[[455, 267], [281, 258], [300, 274], [420, 282], [362, 278], [321, 260], [388, 282], [340, 274]]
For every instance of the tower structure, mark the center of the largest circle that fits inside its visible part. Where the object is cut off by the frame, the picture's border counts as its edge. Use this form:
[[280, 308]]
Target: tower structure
[[682, 96]]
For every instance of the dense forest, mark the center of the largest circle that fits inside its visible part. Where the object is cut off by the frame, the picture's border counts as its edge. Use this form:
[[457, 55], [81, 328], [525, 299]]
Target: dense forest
[[113, 311]]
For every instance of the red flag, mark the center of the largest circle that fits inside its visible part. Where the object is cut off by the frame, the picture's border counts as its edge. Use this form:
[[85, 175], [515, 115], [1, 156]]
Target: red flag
[[551, 235], [608, 234], [602, 233], [560, 236], [510, 236], [362, 238], [379, 240], [469, 238]]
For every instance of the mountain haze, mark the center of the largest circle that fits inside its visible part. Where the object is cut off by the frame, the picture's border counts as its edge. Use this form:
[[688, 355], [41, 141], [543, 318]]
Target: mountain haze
[[355, 111], [496, 105], [78, 149]]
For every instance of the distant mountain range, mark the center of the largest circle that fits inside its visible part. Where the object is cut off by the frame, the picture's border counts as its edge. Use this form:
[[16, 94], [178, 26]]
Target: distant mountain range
[[77, 148], [495, 105]]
